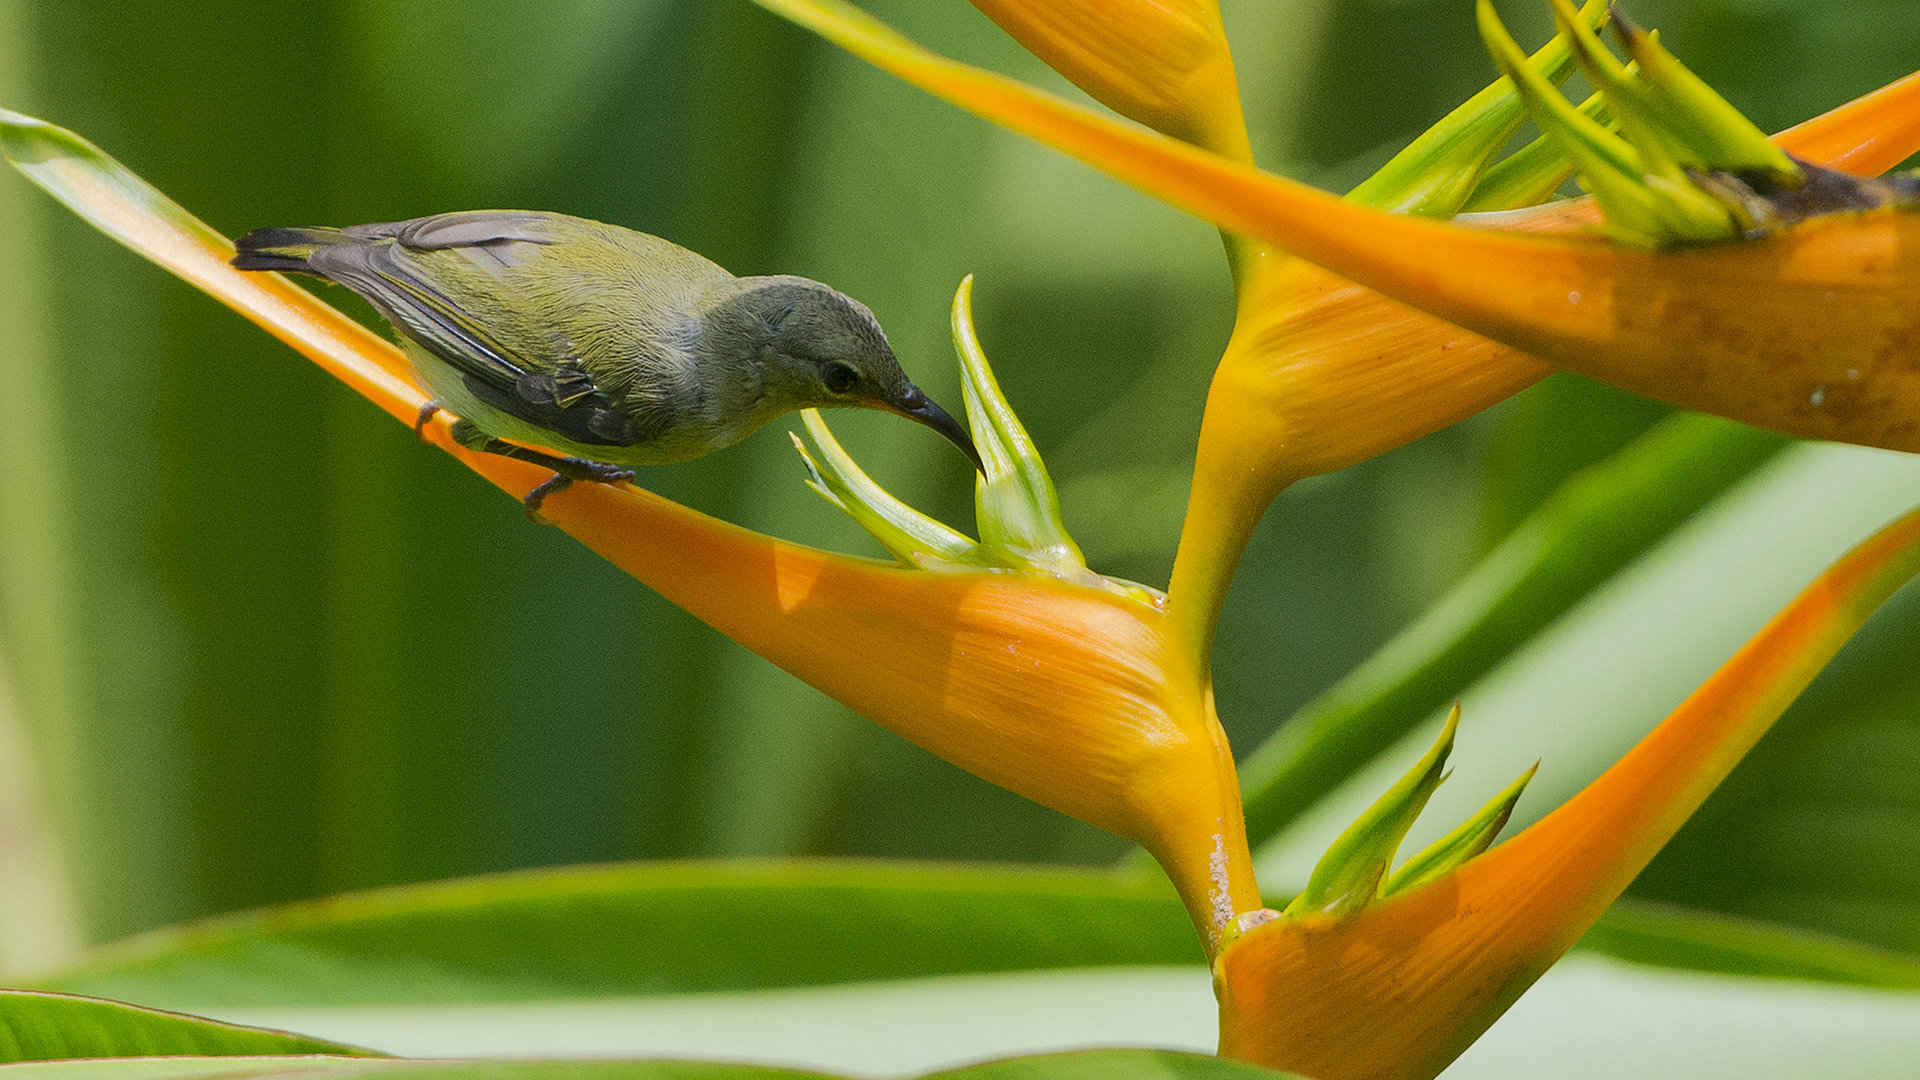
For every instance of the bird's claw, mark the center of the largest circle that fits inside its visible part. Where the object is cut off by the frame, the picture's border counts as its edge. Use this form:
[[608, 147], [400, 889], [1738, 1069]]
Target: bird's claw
[[575, 469], [552, 484]]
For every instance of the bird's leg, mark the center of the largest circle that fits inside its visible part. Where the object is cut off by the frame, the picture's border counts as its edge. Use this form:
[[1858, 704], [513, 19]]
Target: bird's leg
[[427, 412], [565, 469]]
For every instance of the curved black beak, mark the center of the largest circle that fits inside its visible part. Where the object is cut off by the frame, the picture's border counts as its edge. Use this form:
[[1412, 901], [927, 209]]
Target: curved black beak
[[920, 409]]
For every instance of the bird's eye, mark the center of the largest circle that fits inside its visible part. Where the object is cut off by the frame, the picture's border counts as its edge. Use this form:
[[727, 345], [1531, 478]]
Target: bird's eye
[[838, 377]]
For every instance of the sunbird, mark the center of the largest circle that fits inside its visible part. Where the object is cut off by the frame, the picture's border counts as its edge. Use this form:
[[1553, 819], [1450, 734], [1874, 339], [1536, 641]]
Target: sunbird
[[616, 347]]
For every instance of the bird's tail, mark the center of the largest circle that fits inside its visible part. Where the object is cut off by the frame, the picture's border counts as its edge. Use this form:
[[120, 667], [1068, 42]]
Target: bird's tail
[[284, 249]]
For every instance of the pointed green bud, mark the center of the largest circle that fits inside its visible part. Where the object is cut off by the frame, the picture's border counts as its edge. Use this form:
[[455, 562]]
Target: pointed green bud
[[1437, 171], [1348, 876], [1474, 836], [911, 536]]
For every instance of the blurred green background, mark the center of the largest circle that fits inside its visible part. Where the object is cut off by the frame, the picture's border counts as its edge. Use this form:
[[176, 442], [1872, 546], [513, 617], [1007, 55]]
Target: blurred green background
[[259, 644]]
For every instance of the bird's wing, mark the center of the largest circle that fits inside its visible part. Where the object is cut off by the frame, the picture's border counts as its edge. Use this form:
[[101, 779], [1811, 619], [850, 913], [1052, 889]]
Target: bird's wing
[[554, 393], [507, 235]]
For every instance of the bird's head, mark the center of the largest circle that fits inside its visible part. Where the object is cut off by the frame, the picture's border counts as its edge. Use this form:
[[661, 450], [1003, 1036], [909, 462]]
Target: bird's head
[[819, 347]]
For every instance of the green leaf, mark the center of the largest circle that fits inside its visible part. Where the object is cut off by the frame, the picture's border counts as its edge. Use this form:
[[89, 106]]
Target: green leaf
[[1111, 1065], [42, 1027], [646, 929], [1677, 937], [1594, 1018], [98, 188], [1077, 1065], [1599, 521], [218, 1068]]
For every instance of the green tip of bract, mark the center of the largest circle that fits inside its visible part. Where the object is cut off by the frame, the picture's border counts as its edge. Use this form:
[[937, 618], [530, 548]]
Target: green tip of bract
[[1474, 836], [1679, 170], [1014, 499], [1441, 170], [1347, 878], [1692, 118], [1353, 872], [910, 536]]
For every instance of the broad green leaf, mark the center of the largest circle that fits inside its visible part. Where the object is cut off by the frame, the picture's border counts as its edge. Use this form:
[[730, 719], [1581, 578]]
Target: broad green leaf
[[189, 1068], [1078, 1065], [1678, 937], [886, 1027], [646, 929], [1110, 1065], [219, 1068], [42, 1027], [1592, 1018]]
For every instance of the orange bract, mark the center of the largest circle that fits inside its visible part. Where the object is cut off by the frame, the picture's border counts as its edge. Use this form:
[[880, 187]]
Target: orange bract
[[1400, 989]]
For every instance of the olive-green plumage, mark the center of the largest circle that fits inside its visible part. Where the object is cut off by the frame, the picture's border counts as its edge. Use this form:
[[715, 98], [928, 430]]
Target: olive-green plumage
[[611, 345]]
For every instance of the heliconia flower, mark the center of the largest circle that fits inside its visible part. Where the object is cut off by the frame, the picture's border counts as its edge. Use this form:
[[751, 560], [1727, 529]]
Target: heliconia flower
[[1164, 63], [1802, 331], [1399, 989], [1058, 685]]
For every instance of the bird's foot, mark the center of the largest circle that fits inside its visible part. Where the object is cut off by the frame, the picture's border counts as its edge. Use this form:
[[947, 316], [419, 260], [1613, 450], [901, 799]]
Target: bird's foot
[[565, 471]]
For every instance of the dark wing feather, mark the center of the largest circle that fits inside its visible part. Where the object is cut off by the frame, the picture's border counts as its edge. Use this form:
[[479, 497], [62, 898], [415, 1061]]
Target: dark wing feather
[[564, 399]]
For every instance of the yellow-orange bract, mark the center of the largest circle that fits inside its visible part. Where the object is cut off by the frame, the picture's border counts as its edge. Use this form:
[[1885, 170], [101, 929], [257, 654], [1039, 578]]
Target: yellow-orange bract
[[1164, 63], [1322, 373], [1766, 331], [1399, 990], [1069, 695]]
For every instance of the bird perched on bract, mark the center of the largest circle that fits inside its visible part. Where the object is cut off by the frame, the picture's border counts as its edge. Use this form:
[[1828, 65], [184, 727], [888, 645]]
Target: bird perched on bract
[[616, 347]]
